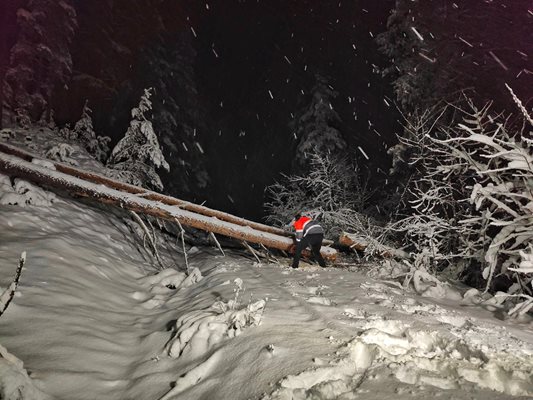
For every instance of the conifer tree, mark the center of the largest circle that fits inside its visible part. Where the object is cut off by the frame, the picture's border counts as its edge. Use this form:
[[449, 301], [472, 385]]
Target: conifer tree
[[413, 75], [84, 132], [138, 154], [317, 127], [40, 59], [437, 48]]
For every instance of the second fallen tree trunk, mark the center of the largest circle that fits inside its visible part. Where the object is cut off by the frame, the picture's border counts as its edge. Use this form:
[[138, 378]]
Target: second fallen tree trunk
[[357, 242], [15, 166]]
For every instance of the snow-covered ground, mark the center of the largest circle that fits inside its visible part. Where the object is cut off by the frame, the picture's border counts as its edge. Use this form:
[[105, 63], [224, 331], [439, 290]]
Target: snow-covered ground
[[93, 318]]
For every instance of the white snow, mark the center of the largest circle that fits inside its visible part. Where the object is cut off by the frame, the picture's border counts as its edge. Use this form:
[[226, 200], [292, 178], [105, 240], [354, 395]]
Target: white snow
[[418, 35], [95, 319]]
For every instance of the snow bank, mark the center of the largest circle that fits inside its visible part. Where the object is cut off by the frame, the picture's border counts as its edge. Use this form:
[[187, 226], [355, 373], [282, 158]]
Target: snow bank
[[23, 193], [95, 318], [15, 384]]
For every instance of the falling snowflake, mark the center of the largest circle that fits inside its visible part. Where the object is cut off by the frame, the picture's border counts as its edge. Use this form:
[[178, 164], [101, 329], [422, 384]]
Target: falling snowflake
[[418, 35], [363, 152]]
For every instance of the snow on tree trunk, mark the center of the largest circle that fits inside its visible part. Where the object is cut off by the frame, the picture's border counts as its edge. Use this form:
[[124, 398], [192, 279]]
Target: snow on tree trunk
[[14, 166], [171, 201]]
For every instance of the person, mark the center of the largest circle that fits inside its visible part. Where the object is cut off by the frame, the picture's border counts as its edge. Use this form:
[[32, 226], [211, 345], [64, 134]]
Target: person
[[308, 233]]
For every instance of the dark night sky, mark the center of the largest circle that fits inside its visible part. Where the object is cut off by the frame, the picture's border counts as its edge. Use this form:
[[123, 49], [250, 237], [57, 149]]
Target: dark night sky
[[254, 68], [266, 54]]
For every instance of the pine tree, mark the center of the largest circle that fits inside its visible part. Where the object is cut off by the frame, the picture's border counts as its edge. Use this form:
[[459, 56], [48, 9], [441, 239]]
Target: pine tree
[[137, 155], [7, 39], [317, 127], [413, 75], [84, 132], [40, 60], [437, 48]]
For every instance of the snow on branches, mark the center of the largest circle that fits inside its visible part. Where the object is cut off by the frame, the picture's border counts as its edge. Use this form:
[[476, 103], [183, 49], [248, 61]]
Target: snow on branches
[[317, 126], [333, 190], [40, 60], [84, 133], [200, 330], [137, 155], [472, 195]]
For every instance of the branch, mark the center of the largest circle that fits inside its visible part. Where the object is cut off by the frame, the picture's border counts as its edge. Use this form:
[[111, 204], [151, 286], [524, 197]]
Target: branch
[[9, 293], [217, 243], [520, 105], [149, 236], [182, 234]]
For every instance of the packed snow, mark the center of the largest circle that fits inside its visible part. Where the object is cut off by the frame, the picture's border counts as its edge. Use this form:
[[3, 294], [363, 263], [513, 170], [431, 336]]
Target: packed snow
[[94, 316]]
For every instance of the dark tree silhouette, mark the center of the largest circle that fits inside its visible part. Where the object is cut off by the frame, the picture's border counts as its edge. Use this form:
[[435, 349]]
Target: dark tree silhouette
[[317, 127], [40, 59], [8, 31], [438, 47]]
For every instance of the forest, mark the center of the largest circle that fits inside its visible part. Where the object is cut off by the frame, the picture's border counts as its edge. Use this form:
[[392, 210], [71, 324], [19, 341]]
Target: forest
[[403, 126]]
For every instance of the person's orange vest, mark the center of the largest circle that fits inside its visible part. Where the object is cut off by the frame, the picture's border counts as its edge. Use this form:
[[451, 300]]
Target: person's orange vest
[[300, 223], [305, 224]]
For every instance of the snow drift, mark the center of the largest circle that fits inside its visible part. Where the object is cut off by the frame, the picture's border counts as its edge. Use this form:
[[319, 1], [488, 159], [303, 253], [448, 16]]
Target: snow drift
[[94, 317]]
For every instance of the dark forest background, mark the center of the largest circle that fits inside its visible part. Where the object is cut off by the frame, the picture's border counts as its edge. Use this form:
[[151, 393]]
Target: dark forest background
[[234, 80]]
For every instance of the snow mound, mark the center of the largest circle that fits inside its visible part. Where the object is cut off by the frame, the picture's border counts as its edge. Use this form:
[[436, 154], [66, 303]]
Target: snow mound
[[15, 384], [194, 376], [198, 331], [172, 279], [164, 284], [61, 152], [414, 359], [23, 193]]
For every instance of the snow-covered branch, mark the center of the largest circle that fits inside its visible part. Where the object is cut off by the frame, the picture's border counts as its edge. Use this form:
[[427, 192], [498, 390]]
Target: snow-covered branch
[[473, 195], [9, 293]]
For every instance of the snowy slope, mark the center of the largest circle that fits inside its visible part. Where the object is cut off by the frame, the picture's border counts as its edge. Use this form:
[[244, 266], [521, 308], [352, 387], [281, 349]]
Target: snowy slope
[[91, 320]]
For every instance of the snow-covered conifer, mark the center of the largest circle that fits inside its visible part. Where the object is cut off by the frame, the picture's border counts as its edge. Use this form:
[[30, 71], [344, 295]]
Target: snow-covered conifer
[[317, 127], [40, 60], [84, 132], [178, 113], [332, 188], [137, 155]]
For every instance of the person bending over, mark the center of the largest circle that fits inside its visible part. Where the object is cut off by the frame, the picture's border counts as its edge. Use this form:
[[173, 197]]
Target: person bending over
[[308, 233]]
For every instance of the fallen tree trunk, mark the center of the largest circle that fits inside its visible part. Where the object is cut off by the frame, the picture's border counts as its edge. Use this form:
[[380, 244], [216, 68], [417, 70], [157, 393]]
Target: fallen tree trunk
[[147, 194], [358, 242], [15, 166]]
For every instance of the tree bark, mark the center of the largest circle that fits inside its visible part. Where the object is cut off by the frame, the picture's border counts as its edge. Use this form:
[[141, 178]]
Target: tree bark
[[359, 243], [149, 195], [18, 167]]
